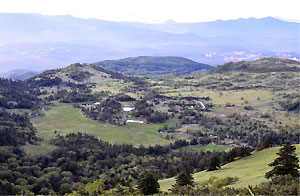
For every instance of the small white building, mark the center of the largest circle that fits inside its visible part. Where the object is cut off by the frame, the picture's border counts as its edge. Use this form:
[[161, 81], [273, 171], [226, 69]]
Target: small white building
[[202, 105], [135, 121], [128, 108]]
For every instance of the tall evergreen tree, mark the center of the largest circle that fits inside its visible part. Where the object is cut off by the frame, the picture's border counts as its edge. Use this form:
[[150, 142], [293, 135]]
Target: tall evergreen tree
[[286, 163], [171, 171], [213, 163], [184, 179], [148, 183], [185, 176]]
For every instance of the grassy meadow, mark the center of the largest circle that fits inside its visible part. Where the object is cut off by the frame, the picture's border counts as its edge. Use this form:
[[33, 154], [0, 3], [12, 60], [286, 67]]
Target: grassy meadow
[[208, 147], [64, 118], [250, 170]]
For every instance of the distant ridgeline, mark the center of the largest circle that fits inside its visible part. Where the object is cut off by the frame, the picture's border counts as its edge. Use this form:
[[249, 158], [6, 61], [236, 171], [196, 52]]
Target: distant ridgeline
[[19, 74], [153, 66], [259, 66]]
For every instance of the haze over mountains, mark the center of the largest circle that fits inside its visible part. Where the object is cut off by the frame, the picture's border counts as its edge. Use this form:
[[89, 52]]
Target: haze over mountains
[[39, 42], [18, 74]]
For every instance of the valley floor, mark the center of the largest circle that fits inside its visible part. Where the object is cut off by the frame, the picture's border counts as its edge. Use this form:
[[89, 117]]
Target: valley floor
[[64, 118]]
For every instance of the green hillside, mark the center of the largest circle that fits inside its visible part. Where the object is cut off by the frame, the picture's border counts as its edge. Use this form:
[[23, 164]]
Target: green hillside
[[250, 170], [80, 77], [149, 65], [76, 74], [259, 66]]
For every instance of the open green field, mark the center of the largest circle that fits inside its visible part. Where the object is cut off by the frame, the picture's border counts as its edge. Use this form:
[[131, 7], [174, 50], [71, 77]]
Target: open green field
[[208, 147], [250, 170], [237, 97], [35, 150], [64, 118]]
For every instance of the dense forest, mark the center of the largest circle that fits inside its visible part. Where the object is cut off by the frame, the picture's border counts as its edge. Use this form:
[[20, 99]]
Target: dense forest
[[82, 158], [16, 129], [17, 94]]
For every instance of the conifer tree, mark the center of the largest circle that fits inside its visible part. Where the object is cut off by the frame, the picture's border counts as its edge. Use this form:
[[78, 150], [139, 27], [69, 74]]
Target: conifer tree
[[148, 183], [185, 176], [184, 179], [171, 171], [286, 163], [213, 163]]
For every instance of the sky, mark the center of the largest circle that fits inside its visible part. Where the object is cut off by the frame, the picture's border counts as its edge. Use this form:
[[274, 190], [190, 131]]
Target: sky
[[157, 11]]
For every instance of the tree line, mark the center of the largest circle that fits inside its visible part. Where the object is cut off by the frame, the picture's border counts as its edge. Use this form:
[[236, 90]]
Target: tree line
[[81, 159]]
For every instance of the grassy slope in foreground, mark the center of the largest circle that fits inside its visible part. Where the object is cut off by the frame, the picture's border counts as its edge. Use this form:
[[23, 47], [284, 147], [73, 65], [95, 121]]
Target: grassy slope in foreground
[[250, 170], [65, 119]]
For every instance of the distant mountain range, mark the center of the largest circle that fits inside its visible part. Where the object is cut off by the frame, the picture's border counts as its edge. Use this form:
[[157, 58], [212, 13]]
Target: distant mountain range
[[39, 42], [19, 74]]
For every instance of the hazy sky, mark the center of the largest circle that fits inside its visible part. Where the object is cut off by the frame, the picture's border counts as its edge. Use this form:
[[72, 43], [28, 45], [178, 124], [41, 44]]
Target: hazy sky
[[157, 10]]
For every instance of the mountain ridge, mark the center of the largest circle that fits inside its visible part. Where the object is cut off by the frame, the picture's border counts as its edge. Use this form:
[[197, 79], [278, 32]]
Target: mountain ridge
[[38, 42], [19, 74], [266, 64]]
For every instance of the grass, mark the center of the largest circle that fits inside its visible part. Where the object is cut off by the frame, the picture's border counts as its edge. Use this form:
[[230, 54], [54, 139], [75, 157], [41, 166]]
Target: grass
[[263, 98], [36, 150], [250, 170], [232, 96], [208, 147], [65, 119]]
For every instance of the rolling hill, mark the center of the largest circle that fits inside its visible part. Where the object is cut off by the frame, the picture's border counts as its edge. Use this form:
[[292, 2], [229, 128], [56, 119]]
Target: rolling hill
[[259, 66], [150, 65], [19, 74], [250, 170], [76, 74]]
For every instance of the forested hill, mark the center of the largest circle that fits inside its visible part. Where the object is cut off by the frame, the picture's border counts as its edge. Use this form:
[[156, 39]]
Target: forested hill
[[150, 65], [259, 66], [75, 75], [74, 83]]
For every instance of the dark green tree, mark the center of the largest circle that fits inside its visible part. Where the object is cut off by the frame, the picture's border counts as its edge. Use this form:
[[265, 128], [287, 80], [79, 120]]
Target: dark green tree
[[286, 163], [148, 183], [171, 171], [184, 179], [185, 175], [213, 163]]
